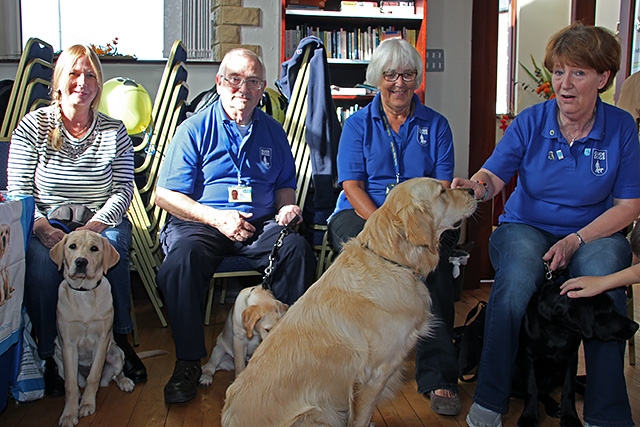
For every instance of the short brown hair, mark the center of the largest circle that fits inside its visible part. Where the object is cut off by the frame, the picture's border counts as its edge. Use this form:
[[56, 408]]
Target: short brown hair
[[585, 46]]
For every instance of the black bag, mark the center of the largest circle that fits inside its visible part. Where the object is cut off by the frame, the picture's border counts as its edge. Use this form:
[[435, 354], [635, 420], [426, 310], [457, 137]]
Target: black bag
[[467, 340], [70, 216]]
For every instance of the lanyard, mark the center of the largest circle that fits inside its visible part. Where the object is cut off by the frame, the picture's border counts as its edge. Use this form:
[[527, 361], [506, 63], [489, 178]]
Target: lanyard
[[392, 142], [237, 160]]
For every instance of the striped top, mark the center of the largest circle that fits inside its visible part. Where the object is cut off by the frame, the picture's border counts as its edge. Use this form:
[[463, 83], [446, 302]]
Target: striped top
[[95, 170]]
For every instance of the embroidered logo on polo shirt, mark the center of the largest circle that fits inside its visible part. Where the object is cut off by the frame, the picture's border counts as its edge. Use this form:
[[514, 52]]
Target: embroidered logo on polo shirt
[[599, 164], [265, 157], [423, 136]]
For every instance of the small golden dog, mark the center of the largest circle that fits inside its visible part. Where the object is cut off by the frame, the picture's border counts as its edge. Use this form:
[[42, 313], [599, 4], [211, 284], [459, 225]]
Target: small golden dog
[[340, 347], [255, 312], [5, 280], [86, 353]]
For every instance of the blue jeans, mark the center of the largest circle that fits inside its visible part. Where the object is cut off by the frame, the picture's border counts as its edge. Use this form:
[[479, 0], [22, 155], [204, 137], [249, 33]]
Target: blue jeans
[[43, 279], [516, 252]]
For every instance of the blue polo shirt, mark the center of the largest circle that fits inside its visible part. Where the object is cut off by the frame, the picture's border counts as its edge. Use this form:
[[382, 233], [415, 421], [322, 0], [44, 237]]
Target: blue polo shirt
[[208, 151], [424, 147], [561, 189]]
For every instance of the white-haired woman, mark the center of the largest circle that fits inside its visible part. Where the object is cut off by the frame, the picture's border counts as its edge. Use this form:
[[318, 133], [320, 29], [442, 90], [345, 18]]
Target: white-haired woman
[[393, 139], [69, 153]]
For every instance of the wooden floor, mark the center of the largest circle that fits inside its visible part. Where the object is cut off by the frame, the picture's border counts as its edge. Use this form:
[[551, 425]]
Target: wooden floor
[[145, 405]]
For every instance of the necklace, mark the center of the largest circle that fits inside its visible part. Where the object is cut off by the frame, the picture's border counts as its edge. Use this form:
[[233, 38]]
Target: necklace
[[572, 138]]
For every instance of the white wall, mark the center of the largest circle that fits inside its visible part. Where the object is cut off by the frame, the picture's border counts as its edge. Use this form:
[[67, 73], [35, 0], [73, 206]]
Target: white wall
[[448, 92], [538, 20]]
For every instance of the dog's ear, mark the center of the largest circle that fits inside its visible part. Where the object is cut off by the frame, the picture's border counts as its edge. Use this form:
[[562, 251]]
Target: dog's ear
[[110, 257], [419, 227], [613, 326], [250, 316], [57, 252]]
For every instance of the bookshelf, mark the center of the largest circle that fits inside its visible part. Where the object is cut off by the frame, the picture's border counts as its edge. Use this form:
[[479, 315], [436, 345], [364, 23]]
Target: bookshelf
[[350, 36]]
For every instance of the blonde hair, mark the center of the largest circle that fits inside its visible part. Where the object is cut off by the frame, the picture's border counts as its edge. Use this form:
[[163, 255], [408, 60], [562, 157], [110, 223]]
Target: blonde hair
[[64, 64]]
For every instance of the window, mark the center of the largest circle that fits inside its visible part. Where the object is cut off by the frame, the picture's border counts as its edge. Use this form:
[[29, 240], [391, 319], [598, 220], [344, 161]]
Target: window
[[505, 77], [138, 25]]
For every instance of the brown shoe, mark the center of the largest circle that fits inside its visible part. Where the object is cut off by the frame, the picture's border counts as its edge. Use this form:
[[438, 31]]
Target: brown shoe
[[444, 405]]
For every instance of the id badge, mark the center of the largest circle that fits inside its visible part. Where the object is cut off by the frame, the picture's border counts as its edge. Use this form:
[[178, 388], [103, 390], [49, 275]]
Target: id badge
[[239, 193]]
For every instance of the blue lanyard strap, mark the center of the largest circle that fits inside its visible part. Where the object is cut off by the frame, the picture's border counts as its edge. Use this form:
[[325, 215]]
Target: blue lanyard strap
[[394, 151]]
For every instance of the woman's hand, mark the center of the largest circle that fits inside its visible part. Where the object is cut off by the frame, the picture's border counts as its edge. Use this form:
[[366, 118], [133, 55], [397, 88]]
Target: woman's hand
[[95, 226], [287, 213], [46, 233], [560, 254]]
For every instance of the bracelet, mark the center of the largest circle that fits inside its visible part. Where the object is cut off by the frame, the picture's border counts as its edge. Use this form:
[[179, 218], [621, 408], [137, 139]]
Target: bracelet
[[580, 241], [486, 190]]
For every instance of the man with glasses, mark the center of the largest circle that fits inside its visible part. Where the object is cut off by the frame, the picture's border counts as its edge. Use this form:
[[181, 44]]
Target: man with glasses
[[228, 182]]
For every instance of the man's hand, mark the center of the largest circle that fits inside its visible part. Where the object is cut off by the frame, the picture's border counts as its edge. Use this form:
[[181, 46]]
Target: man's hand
[[235, 225], [287, 213]]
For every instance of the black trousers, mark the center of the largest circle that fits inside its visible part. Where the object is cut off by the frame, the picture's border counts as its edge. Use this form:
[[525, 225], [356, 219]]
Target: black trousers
[[193, 253], [436, 358]]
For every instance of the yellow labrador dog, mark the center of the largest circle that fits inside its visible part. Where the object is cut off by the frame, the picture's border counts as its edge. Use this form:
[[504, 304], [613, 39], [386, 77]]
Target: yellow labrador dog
[[340, 347], [86, 353], [254, 313]]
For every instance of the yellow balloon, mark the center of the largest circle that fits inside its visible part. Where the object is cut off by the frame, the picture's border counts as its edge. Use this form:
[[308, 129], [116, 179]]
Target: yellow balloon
[[126, 100]]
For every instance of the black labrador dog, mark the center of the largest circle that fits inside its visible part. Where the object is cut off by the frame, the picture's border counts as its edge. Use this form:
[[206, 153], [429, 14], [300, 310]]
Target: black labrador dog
[[552, 330]]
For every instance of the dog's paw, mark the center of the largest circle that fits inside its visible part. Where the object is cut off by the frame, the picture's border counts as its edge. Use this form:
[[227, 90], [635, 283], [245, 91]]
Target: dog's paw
[[68, 420], [125, 383], [87, 409], [206, 379]]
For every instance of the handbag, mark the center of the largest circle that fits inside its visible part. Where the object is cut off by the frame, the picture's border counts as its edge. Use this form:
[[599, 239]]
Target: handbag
[[467, 340], [70, 216]]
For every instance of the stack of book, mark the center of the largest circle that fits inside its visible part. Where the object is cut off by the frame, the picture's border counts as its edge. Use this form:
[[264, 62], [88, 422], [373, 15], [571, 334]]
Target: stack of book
[[398, 8], [369, 8], [306, 4]]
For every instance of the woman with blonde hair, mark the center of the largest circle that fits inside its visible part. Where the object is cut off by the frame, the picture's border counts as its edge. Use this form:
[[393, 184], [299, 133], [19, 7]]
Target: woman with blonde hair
[[69, 153]]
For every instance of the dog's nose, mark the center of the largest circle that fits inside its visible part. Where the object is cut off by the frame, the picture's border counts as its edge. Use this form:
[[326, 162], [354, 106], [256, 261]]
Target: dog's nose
[[81, 263], [471, 192]]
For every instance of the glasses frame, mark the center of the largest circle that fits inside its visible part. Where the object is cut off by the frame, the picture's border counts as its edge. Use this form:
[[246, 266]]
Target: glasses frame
[[245, 81], [407, 76]]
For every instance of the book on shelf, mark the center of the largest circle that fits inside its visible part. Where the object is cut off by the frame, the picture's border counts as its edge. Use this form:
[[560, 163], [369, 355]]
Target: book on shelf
[[348, 91], [347, 44], [398, 8], [313, 3]]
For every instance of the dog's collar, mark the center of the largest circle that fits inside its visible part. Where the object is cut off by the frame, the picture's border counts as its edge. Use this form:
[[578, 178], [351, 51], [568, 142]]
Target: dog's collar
[[413, 270], [85, 289]]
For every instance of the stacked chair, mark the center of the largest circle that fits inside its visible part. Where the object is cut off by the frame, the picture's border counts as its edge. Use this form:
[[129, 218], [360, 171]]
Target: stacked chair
[[294, 126], [30, 90], [169, 109]]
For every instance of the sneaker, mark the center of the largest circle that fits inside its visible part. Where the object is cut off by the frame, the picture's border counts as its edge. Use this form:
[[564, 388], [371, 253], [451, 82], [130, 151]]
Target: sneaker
[[480, 416], [444, 405], [183, 384]]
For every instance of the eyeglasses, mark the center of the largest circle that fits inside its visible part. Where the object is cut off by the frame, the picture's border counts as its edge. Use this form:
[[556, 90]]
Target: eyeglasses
[[407, 76], [252, 83]]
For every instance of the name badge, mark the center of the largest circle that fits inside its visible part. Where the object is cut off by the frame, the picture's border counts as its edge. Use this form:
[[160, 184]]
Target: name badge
[[239, 193]]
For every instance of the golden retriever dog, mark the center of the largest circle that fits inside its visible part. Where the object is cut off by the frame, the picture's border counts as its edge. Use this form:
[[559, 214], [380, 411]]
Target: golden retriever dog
[[5, 281], [254, 313], [340, 348], [86, 353]]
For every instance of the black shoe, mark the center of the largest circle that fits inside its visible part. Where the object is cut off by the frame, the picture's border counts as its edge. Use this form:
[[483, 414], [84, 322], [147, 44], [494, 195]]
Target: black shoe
[[183, 384], [53, 383], [134, 369]]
